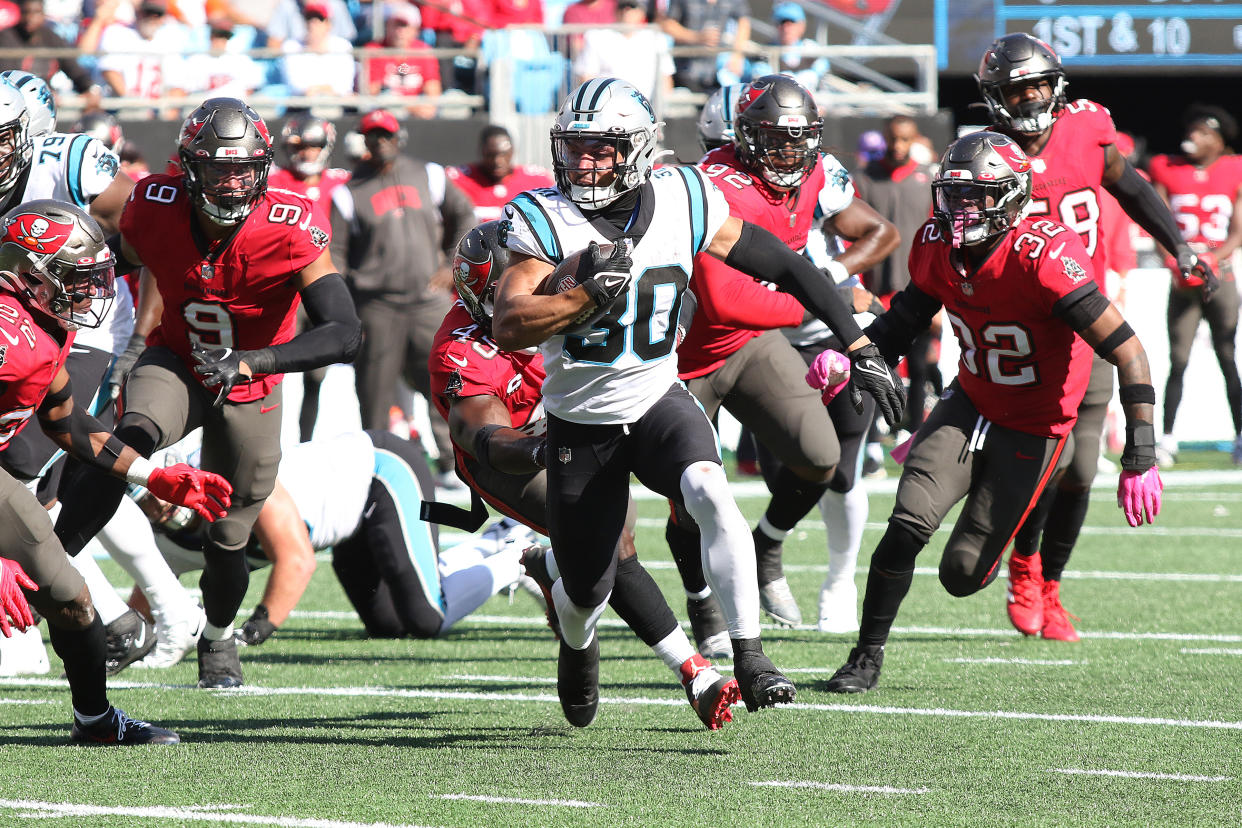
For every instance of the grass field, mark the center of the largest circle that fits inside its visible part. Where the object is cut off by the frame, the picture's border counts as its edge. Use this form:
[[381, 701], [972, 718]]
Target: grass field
[[1139, 724]]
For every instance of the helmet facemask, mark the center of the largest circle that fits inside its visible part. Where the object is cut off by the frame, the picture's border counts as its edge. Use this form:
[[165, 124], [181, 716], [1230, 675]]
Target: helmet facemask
[[1027, 117], [77, 295], [783, 155], [16, 152], [299, 135], [226, 190], [615, 165]]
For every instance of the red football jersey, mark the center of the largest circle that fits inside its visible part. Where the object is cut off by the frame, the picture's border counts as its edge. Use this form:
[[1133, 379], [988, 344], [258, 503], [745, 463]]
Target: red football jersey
[[30, 357], [1201, 199], [320, 194], [246, 298], [465, 362], [1021, 366], [1068, 175], [489, 198]]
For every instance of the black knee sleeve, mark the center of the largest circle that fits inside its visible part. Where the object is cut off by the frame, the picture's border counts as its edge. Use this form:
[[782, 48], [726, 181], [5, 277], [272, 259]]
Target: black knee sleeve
[[683, 541], [83, 651], [792, 499], [888, 581], [223, 582], [641, 605]]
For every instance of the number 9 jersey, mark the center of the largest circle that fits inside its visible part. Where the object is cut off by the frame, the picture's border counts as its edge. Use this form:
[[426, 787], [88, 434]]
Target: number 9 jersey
[[614, 375], [237, 293]]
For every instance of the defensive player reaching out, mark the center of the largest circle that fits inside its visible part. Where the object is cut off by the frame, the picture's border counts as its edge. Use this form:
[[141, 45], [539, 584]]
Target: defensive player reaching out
[[56, 274], [1027, 314], [614, 403]]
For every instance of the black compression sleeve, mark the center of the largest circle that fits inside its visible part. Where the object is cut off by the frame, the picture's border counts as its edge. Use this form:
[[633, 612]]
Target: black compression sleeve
[[760, 254], [78, 428], [123, 265], [335, 334], [908, 315], [1082, 307], [1143, 204]]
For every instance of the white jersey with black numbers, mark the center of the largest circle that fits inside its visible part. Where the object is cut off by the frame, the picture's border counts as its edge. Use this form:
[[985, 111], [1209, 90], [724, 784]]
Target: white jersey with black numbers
[[622, 369], [74, 167], [330, 481]]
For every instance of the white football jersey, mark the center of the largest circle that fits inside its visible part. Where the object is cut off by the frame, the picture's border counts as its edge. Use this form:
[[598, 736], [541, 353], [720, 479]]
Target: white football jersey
[[75, 167], [330, 481], [617, 373]]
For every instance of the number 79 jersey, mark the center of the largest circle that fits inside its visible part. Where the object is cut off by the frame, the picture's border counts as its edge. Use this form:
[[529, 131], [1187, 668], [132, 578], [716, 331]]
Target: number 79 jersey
[[1021, 365], [618, 372], [244, 298]]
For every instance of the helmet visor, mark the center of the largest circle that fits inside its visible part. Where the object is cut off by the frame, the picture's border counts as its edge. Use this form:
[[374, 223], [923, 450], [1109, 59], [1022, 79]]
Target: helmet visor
[[86, 290], [966, 211]]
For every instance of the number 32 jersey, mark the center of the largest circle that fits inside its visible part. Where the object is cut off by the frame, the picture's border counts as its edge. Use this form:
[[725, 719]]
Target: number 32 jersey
[[617, 373], [245, 298], [1021, 365]]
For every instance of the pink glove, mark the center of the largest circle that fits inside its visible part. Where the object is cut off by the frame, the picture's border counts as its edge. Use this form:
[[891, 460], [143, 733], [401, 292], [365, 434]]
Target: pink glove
[[206, 493], [829, 373], [13, 579], [1138, 495]]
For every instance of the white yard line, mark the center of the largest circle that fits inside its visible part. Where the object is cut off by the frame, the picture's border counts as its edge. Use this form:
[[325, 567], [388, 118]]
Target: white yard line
[[836, 786], [196, 813], [508, 800], [1211, 651], [1173, 777], [1039, 662]]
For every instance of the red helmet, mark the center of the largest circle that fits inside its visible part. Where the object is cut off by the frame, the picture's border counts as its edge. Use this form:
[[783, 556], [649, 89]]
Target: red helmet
[[481, 258]]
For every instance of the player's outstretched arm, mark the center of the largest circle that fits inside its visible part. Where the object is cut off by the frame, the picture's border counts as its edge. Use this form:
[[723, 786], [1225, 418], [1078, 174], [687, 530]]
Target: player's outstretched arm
[[282, 533], [523, 319], [759, 253], [84, 437], [909, 314], [1100, 323], [872, 237], [480, 425]]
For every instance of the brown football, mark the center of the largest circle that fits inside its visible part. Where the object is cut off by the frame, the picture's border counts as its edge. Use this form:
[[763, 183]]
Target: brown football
[[565, 277]]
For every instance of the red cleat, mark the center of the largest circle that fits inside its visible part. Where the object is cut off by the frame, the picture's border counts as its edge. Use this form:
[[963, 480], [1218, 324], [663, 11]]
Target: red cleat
[[1057, 626], [1025, 596], [710, 694]]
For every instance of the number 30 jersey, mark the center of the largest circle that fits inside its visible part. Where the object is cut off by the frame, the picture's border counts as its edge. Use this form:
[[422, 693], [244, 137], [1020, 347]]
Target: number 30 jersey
[[243, 298], [622, 369]]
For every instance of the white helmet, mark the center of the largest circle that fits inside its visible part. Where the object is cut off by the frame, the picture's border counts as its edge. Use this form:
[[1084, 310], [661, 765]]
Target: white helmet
[[40, 105], [613, 112], [15, 147], [716, 119]]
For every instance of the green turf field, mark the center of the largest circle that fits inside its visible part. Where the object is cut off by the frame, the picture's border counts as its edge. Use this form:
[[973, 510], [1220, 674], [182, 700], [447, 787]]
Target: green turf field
[[1139, 724]]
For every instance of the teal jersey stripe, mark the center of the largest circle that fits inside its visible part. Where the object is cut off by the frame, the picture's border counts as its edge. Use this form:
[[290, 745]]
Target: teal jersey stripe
[[398, 478], [77, 151], [698, 206], [538, 221]]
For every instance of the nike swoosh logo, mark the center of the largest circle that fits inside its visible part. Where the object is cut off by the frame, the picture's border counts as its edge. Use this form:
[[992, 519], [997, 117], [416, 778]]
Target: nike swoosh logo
[[12, 339], [74, 349], [460, 362], [263, 409], [141, 638], [875, 373], [1056, 254]]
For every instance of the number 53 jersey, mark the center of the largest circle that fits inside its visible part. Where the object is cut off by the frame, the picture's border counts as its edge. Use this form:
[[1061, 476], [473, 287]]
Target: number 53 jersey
[[620, 370], [241, 297]]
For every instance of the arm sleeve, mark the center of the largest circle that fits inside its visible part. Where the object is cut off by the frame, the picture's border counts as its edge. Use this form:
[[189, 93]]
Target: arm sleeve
[[1143, 204], [761, 254], [909, 314], [727, 297], [335, 334]]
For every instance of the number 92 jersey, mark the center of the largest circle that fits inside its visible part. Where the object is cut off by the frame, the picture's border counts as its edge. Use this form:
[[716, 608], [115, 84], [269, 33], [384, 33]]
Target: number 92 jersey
[[245, 297], [618, 372]]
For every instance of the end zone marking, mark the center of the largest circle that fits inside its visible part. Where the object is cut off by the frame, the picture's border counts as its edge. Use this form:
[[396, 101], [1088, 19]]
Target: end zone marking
[[836, 786], [1173, 777], [509, 800]]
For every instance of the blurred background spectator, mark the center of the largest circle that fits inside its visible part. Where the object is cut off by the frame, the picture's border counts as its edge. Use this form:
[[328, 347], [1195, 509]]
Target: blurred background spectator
[[142, 59], [413, 73], [34, 31], [639, 56], [709, 23], [458, 24], [289, 21], [220, 71], [324, 63], [808, 70]]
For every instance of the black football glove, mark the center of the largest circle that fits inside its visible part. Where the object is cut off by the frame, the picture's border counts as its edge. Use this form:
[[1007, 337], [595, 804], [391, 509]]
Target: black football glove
[[685, 316], [257, 629], [220, 368], [124, 363], [1192, 265], [604, 279], [869, 370]]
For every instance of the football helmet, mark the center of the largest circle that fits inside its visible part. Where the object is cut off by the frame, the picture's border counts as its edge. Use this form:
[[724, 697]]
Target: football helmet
[[301, 131], [102, 127], [226, 152], [1021, 58], [54, 256], [16, 149], [481, 258], [716, 119], [983, 188], [600, 117], [40, 105], [778, 128]]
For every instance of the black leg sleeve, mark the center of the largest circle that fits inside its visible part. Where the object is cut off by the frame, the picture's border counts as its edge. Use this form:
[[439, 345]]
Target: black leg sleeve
[[1065, 519], [892, 570], [92, 495], [683, 541], [641, 605], [223, 582], [84, 652]]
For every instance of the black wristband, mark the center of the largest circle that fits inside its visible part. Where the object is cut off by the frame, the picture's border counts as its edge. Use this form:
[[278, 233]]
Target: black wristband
[[1115, 340], [598, 295], [1137, 393], [481, 439], [1140, 451]]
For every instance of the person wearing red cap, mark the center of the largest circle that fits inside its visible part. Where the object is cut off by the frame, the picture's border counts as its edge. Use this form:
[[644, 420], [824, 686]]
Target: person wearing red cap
[[395, 226]]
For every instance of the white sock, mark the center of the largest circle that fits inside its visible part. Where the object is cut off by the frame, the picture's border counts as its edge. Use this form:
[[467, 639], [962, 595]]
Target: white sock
[[130, 541], [577, 623], [468, 577], [674, 649], [213, 633], [107, 603], [549, 560], [90, 720], [845, 516], [728, 548], [700, 596]]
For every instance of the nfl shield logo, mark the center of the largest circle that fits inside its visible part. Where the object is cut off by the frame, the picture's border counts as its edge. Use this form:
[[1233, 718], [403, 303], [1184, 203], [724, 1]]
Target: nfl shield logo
[[564, 455], [968, 288]]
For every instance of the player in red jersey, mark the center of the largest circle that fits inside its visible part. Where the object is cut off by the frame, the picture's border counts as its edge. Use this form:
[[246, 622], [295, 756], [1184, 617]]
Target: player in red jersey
[[56, 275], [773, 175], [306, 144], [1020, 296], [230, 259], [1072, 147], [493, 180], [493, 403], [1203, 187]]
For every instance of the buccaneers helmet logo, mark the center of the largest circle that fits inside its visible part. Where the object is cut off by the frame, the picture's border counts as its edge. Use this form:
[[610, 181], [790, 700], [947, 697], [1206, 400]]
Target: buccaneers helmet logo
[[37, 233]]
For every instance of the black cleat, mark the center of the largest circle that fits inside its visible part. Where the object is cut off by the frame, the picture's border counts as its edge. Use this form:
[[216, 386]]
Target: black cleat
[[760, 683], [577, 682], [860, 673], [120, 729], [218, 664], [130, 637], [711, 632], [535, 562]]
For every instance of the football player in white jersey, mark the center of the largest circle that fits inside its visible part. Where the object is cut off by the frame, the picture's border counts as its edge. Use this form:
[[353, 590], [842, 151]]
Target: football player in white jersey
[[614, 403]]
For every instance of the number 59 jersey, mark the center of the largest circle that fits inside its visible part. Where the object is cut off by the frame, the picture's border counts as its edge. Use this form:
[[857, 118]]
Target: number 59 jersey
[[242, 297], [619, 371]]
